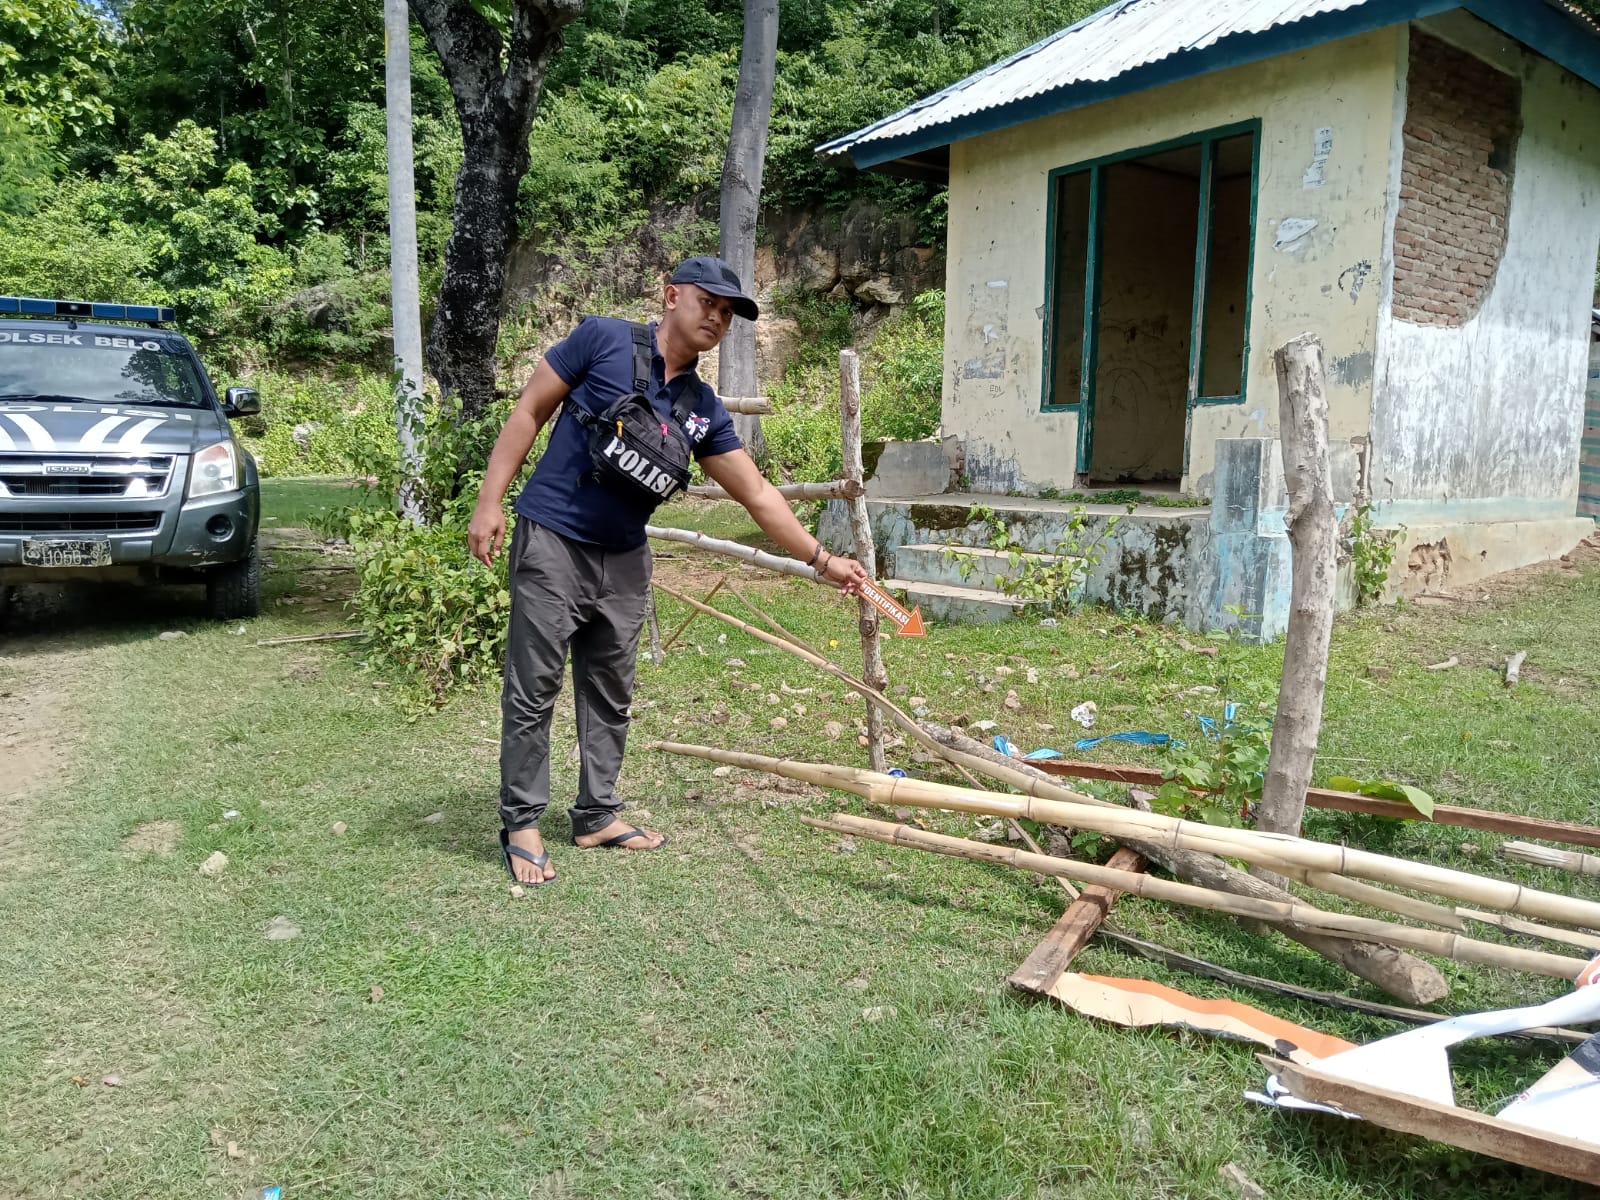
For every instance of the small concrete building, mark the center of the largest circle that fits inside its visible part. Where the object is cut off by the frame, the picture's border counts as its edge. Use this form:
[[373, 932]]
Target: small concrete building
[[1146, 205]]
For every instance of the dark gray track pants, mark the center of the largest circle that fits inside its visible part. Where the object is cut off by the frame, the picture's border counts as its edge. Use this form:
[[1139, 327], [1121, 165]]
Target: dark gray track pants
[[568, 595]]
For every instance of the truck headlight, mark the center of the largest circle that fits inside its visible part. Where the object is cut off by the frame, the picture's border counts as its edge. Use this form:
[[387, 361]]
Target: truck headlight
[[215, 469]]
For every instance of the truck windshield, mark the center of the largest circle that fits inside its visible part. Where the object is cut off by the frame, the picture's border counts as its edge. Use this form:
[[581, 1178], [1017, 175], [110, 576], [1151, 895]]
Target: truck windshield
[[97, 367]]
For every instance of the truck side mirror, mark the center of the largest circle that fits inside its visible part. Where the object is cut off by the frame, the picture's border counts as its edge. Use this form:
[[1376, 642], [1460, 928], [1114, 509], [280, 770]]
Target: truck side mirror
[[241, 402]]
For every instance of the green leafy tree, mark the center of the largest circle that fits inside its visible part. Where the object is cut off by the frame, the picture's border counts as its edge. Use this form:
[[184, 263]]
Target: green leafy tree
[[54, 56]]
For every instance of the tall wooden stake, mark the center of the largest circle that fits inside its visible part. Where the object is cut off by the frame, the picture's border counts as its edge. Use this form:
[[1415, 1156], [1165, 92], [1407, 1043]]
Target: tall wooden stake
[[872, 668], [1303, 433]]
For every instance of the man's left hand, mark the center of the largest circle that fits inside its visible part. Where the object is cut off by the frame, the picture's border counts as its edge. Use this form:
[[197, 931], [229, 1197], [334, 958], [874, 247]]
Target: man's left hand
[[846, 572]]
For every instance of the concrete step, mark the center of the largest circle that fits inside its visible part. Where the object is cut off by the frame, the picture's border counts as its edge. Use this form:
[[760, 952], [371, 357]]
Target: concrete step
[[957, 605], [938, 562]]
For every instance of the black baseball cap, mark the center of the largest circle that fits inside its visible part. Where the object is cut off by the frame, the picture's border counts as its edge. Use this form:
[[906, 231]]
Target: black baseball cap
[[717, 277]]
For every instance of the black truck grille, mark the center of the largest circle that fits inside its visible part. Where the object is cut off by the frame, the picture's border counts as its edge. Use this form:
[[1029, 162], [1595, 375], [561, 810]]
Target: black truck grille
[[79, 522]]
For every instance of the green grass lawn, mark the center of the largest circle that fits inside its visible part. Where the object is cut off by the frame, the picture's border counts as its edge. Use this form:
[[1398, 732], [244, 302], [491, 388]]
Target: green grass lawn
[[687, 1023]]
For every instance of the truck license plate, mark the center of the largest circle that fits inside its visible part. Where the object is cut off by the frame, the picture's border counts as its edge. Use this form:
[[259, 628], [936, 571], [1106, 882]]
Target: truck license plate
[[66, 554]]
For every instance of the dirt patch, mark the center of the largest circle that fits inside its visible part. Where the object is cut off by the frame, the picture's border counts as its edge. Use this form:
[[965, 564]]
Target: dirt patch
[[1508, 586], [153, 837], [37, 734]]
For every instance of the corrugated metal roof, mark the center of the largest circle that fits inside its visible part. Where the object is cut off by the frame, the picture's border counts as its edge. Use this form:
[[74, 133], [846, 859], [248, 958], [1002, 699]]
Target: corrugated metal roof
[[1138, 43], [1115, 40]]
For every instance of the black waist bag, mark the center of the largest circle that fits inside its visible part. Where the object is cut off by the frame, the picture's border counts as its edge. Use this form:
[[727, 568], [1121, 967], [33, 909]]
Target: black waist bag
[[632, 450]]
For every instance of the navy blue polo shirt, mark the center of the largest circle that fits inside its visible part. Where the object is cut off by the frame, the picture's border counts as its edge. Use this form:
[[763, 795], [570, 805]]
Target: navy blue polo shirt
[[596, 362]]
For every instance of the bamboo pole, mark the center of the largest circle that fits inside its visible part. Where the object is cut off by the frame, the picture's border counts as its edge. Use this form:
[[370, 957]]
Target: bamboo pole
[[1544, 856], [1373, 897], [896, 713], [1401, 974], [767, 617], [772, 562], [312, 637], [1251, 846], [657, 654], [1431, 941], [689, 620], [839, 489], [753, 406], [872, 668], [1569, 937], [1443, 814]]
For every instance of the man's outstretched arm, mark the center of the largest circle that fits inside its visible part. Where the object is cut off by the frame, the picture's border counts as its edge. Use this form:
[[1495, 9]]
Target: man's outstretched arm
[[737, 474]]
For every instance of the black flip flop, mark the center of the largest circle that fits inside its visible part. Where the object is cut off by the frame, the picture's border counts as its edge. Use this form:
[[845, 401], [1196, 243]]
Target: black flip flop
[[613, 843], [538, 860]]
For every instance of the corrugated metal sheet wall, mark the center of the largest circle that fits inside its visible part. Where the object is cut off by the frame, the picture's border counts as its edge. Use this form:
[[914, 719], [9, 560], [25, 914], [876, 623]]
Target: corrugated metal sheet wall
[[1589, 463]]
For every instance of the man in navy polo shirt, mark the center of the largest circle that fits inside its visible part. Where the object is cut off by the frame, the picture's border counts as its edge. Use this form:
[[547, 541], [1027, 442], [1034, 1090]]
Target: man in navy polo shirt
[[580, 562]]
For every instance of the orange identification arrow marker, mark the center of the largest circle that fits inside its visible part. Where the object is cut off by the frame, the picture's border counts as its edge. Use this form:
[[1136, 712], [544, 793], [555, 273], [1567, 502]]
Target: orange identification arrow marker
[[908, 624]]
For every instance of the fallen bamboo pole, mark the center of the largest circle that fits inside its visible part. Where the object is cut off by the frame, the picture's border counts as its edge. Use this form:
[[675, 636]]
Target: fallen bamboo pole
[[1130, 823], [1561, 860], [899, 715], [1373, 897], [1432, 941], [1398, 972], [772, 562], [750, 406], [312, 637], [1569, 937], [689, 620], [838, 489], [1443, 814]]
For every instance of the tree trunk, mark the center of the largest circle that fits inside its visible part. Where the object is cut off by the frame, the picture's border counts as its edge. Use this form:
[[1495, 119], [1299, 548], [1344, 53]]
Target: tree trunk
[[1313, 536], [872, 668], [741, 203], [496, 86], [403, 292]]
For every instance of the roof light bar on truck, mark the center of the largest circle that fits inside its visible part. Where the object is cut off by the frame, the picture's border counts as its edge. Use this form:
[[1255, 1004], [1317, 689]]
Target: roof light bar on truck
[[29, 306]]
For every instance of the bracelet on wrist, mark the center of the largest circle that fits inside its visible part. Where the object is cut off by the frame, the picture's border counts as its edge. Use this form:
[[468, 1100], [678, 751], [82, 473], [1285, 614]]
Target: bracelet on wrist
[[812, 561]]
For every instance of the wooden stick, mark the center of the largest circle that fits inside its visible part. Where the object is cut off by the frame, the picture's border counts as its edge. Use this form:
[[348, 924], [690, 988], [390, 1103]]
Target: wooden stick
[[312, 637], [899, 715], [1570, 937], [772, 562], [689, 620], [1433, 941], [1373, 1008], [754, 406], [839, 489], [872, 668], [1303, 434], [1514, 667], [1130, 823], [657, 654], [1403, 975], [1084, 916], [1443, 814], [1544, 856]]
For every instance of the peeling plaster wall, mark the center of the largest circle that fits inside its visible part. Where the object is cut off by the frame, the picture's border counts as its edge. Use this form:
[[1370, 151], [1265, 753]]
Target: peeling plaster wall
[[1319, 230], [1482, 422]]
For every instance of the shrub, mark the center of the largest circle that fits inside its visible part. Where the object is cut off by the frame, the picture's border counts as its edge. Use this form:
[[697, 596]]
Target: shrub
[[346, 426]]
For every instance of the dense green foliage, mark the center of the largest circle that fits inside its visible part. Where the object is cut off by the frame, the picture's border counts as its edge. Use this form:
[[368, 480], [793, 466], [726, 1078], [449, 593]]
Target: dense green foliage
[[227, 156]]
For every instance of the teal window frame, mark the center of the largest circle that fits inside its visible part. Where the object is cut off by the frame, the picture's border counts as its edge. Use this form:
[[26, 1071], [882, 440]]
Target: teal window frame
[[1083, 403]]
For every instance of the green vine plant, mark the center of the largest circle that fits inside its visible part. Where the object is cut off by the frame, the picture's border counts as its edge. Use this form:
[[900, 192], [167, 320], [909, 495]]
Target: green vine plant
[[1218, 781], [1385, 789], [1371, 554], [1053, 583]]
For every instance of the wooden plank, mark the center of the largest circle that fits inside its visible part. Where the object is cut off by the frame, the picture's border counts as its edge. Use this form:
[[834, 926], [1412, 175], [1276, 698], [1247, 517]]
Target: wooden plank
[[1443, 814], [1444, 1123], [758, 406], [1051, 957]]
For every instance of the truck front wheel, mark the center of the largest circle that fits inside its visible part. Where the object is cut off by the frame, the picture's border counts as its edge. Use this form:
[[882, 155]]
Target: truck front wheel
[[234, 591]]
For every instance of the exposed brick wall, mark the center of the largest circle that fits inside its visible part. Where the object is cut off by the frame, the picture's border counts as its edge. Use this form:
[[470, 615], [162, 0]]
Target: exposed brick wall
[[1462, 118]]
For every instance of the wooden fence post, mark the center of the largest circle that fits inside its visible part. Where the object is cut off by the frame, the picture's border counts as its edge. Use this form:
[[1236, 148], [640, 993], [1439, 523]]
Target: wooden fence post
[[1313, 533], [872, 668]]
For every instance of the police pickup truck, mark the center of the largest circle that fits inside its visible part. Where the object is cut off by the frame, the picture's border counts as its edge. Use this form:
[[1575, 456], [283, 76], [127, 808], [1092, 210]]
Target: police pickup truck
[[117, 463]]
